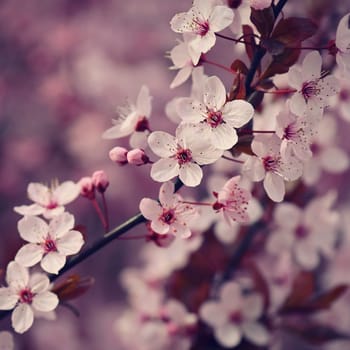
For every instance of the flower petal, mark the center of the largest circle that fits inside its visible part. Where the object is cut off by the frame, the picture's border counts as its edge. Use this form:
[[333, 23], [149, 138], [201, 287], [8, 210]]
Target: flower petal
[[22, 318], [32, 229], [46, 301], [164, 169], [70, 243], [53, 262], [39, 283], [256, 333], [214, 93], [60, 225], [224, 137], [29, 255], [17, 276], [39, 193], [162, 144], [274, 186], [228, 335], [143, 102], [66, 192], [238, 113], [190, 174], [8, 298]]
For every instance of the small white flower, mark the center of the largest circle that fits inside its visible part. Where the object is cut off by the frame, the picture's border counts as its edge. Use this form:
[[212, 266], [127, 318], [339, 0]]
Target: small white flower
[[313, 86], [203, 20], [234, 316], [49, 244], [181, 155], [342, 42], [49, 201], [25, 294], [133, 120], [217, 117]]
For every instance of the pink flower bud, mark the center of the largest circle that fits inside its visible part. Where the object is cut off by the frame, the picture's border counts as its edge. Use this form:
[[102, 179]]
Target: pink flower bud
[[100, 180], [137, 156], [87, 187], [118, 155]]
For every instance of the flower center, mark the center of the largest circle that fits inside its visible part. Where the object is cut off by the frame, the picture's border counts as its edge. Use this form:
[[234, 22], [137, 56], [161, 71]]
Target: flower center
[[301, 232], [217, 205], [236, 317], [49, 245], [201, 27], [26, 296], [309, 89], [183, 156], [290, 132], [52, 205], [142, 124], [270, 163], [214, 118], [168, 216]]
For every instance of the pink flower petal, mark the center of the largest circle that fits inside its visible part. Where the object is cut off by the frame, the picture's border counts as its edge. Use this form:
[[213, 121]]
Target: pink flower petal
[[53, 262], [32, 229], [22, 318], [46, 301], [70, 243], [29, 255]]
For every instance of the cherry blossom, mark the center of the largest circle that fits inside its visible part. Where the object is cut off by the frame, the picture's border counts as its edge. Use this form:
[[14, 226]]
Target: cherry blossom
[[181, 155], [217, 117], [49, 201], [296, 134], [342, 42], [308, 233], [133, 120], [168, 215], [203, 20], [49, 244], [26, 295], [234, 316], [313, 86], [270, 166], [185, 59], [232, 202], [260, 4]]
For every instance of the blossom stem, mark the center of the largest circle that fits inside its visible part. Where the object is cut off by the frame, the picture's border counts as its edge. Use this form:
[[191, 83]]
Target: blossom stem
[[105, 209], [231, 39], [197, 203], [233, 160], [249, 132], [276, 92], [100, 214], [218, 65]]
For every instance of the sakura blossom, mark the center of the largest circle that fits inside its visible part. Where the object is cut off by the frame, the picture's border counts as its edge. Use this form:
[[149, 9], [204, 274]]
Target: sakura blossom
[[133, 120], [260, 4], [232, 201], [308, 233], [48, 244], [49, 201], [203, 20], [26, 294], [314, 86], [181, 155], [217, 118], [169, 215], [270, 166], [342, 42], [234, 316]]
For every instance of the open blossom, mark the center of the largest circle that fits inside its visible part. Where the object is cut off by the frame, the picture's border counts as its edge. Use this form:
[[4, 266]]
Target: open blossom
[[342, 42], [313, 86], [216, 117], [296, 134], [203, 20], [49, 244], [181, 155], [49, 201], [168, 215], [307, 233], [234, 316], [270, 166], [185, 59], [25, 294], [133, 120], [232, 202]]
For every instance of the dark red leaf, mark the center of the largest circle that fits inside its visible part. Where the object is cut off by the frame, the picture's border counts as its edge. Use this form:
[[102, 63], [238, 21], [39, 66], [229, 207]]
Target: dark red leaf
[[263, 21], [239, 67], [293, 30], [325, 300], [250, 44]]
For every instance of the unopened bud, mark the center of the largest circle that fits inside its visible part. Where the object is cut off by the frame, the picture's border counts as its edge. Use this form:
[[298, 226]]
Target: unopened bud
[[137, 156], [100, 180], [87, 187], [118, 155]]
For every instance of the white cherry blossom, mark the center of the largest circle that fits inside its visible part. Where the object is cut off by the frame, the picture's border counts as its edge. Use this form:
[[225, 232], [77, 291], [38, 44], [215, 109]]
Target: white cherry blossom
[[168, 215], [49, 201], [270, 166], [313, 86], [181, 155], [133, 120], [342, 42], [26, 295], [48, 244], [217, 117], [234, 316], [203, 20]]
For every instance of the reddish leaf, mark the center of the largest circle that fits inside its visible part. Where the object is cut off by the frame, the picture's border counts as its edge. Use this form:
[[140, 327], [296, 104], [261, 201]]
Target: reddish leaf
[[250, 44], [238, 91], [263, 21], [293, 30], [239, 67], [73, 287], [273, 46], [325, 300]]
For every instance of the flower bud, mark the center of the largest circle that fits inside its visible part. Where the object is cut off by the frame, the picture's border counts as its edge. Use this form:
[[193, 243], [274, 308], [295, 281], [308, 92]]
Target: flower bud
[[118, 155], [137, 156], [100, 180], [87, 187]]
